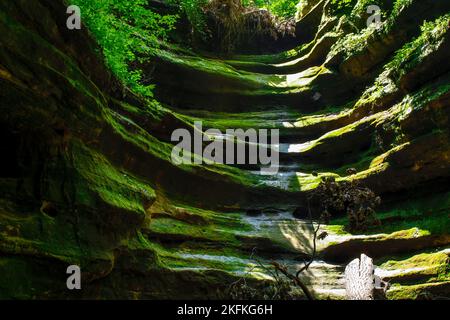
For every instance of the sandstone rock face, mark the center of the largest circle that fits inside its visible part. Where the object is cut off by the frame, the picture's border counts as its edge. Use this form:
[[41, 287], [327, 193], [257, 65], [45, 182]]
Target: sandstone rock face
[[87, 177]]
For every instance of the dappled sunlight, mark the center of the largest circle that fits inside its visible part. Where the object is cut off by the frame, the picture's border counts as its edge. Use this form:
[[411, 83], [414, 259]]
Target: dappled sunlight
[[299, 234], [302, 79], [307, 181], [295, 148]]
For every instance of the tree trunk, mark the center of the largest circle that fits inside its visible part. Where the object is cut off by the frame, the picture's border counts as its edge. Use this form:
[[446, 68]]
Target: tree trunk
[[359, 279]]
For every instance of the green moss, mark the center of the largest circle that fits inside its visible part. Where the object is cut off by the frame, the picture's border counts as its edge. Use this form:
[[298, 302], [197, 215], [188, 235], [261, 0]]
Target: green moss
[[413, 292], [29, 232], [337, 230], [364, 163], [411, 54], [428, 213], [169, 227], [407, 223], [382, 87], [435, 264], [116, 187], [321, 118], [276, 58], [24, 278], [228, 220], [242, 82], [211, 260], [243, 120], [408, 234], [218, 68], [338, 7], [360, 8], [179, 236], [309, 181], [398, 7], [192, 256], [351, 44], [136, 135]]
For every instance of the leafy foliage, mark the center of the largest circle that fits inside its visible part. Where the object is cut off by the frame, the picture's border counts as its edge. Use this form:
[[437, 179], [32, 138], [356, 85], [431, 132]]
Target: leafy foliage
[[193, 9], [281, 8], [352, 43], [342, 5], [127, 32], [432, 33], [223, 25], [399, 5]]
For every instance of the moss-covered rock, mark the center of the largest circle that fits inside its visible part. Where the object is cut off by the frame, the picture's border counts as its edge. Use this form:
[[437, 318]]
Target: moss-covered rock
[[89, 180]]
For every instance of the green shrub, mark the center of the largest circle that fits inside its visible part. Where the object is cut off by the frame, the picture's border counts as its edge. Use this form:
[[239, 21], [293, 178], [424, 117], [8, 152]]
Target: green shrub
[[127, 32], [281, 8]]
